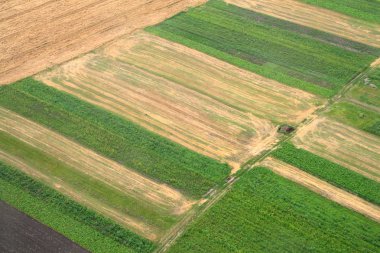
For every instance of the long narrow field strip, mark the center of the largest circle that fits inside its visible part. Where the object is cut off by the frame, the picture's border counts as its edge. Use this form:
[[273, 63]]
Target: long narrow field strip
[[295, 55], [317, 18], [265, 212], [41, 33], [198, 101], [356, 115], [342, 144], [325, 189], [367, 10], [114, 137], [76, 222], [148, 202]]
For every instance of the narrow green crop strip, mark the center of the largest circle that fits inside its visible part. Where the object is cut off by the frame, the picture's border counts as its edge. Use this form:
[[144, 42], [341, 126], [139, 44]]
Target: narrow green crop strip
[[295, 55], [356, 116], [58, 172], [330, 172], [367, 10], [83, 226], [114, 137], [267, 213]]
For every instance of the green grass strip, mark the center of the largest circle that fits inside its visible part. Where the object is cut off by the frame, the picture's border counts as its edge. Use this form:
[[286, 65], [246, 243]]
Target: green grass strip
[[67, 217], [114, 137], [295, 55], [328, 171], [82, 183], [367, 10], [356, 116], [267, 213]]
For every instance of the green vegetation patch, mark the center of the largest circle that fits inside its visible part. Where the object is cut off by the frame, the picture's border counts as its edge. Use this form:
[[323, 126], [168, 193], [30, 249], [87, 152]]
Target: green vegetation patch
[[267, 213], [67, 217], [330, 172], [295, 55], [356, 116], [367, 10], [58, 172], [367, 90], [114, 137]]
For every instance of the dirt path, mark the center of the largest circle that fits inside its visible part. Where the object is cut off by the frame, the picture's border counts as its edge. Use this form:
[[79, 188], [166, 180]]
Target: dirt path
[[191, 98], [347, 146], [314, 17], [323, 188], [105, 170], [38, 34]]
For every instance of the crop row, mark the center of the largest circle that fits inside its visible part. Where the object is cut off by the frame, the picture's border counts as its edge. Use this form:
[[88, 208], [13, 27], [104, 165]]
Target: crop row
[[74, 221], [330, 172], [267, 213], [114, 137], [292, 54]]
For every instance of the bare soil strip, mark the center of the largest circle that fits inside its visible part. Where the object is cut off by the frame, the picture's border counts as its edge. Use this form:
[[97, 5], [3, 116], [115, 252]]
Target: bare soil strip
[[325, 189], [41, 33], [94, 165], [20, 233], [196, 100], [317, 18], [347, 146]]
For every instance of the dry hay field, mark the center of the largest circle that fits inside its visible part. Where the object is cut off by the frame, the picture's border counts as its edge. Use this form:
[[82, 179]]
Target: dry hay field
[[41, 33], [189, 97], [317, 18], [345, 145], [323, 188], [163, 200]]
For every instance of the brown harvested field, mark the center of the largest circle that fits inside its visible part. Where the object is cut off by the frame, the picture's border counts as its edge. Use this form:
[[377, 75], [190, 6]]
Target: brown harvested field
[[156, 196], [41, 33], [317, 18], [196, 100], [323, 188], [347, 146], [22, 234]]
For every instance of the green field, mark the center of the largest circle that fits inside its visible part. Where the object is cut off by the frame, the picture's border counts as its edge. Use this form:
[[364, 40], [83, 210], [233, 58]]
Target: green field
[[67, 217], [83, 184], [364, 93], [367, 10], [330, 172], [356, 116], [298, 56], [267, 213], [114, 137]]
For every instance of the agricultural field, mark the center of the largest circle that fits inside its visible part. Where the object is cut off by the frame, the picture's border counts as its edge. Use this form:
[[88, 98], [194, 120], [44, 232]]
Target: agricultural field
[[38, 34], [323, 188], [292, 54], [160, 126], [67, 217], [367, 10], [366, 92], [195, 100], [23, 234], [356, 116], [114, 137], [352, 28], [267, 213], [349, 147], [140, 204], [330, 172]]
